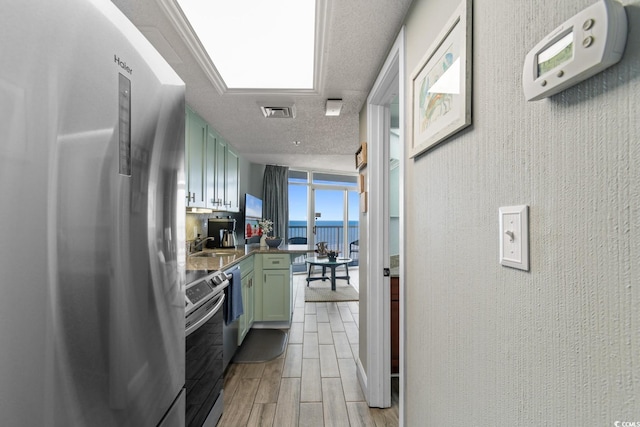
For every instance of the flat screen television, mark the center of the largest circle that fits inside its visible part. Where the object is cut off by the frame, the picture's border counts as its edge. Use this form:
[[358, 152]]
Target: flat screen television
[[252, 215], [252, 206]]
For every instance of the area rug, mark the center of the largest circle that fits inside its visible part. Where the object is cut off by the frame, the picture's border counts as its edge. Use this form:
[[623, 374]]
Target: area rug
[[317, 292], [261, 345]]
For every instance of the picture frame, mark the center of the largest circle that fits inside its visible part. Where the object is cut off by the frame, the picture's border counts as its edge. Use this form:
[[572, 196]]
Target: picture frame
[[363, 202], [361, 183], [361, 156], [441, 84]]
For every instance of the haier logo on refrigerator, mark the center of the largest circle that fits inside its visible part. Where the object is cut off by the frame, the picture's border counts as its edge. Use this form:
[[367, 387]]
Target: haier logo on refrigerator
[[122, 64]]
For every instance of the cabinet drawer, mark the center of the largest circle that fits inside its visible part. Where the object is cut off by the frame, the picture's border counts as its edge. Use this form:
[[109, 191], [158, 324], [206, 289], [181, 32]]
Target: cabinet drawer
[[276, 261]]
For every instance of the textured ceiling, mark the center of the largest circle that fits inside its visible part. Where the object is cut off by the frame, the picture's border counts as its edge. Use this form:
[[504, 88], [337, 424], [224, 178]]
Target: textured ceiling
[[358, 37]]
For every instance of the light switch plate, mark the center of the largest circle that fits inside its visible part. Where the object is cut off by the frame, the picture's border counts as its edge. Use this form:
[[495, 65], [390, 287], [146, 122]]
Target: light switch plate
[[514, 236]]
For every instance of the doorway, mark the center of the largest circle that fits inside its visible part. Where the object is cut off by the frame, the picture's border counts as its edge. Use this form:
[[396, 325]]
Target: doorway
[[323, 207], [335, 218], [385, 226]]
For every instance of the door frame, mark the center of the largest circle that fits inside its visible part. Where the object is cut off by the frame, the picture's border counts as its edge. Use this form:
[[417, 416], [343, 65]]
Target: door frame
[[389, 83], [313, 209]]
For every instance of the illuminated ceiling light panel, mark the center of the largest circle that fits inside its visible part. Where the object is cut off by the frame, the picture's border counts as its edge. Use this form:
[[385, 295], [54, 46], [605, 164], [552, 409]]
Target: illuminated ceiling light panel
[[257, 44]]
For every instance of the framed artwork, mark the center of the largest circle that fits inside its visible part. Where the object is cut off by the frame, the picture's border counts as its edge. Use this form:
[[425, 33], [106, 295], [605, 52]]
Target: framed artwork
[[363, 202], [441, 84], [361, 183], [361, 156]]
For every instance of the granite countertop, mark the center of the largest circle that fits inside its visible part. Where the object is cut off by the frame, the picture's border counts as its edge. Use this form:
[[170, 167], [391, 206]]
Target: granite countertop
[[223, 259]]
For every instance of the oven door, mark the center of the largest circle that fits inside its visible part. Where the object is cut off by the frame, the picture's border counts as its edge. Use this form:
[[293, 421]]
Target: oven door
[[204, 368], [202, 314]]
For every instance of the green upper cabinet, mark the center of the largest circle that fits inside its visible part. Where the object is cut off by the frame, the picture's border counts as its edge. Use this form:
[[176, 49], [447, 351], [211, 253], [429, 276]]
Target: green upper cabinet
[[221, 154], [195, 144], [212, 170], [232, 192], [210, 156]]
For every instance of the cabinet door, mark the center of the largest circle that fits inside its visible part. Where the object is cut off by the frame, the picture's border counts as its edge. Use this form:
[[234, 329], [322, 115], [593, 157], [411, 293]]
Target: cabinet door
[[232, 188], [242, 320], [195, 140], [221, 159], [250, 300], [210, 171], [276, 295], [246, 320]]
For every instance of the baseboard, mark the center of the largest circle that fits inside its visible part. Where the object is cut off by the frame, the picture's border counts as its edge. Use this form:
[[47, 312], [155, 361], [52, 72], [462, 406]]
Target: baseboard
[[362, 379], [271, 325]]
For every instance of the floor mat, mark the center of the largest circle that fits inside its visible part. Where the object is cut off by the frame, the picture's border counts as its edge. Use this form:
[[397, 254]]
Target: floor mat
[[317, 292], [261, 345]]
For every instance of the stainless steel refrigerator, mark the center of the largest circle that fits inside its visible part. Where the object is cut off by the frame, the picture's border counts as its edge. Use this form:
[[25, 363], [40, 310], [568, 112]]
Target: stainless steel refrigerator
[[92, 247]]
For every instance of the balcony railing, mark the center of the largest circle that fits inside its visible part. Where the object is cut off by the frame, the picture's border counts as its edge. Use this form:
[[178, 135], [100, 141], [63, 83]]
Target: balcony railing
[[332, 234]]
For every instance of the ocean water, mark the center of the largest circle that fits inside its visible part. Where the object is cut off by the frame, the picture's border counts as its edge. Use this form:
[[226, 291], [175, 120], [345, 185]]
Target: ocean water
[[323, 223], [331, 232]]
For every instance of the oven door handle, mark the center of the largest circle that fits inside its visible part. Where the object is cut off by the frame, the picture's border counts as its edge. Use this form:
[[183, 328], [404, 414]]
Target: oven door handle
[[207, 316]]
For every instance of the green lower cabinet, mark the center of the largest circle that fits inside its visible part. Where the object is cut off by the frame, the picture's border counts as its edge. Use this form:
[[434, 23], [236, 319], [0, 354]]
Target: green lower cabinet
[[276, 287], [248, 300], [276, 295]]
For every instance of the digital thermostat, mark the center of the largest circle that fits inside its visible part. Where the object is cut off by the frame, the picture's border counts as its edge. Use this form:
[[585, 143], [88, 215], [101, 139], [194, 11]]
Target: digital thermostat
[[586, 44]]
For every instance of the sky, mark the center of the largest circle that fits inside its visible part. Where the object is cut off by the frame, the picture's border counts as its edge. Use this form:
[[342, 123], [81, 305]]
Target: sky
[[328, 202]]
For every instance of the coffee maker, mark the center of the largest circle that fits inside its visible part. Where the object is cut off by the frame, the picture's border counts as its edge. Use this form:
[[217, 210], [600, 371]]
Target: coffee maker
[[223, 231]]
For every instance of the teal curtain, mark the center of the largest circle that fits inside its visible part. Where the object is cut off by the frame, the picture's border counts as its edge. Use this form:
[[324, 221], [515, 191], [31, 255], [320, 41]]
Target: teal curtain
[[275, 196]]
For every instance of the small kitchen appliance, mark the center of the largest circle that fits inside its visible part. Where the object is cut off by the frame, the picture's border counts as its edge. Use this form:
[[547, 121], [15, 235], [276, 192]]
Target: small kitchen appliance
[[223, 231], [228, 239]]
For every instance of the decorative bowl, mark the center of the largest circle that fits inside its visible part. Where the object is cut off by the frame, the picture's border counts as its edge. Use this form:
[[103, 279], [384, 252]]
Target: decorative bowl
[[273, 243]]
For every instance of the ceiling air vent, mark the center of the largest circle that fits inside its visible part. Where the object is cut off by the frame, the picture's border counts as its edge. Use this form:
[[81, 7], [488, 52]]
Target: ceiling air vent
[[278, 112]]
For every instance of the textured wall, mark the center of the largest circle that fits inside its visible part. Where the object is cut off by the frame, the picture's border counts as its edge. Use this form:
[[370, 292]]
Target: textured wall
[[559, 345]]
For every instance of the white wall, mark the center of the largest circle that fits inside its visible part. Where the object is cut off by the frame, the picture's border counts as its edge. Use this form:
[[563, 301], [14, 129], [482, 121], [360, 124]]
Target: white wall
[[254, 175], [251, 178], [394, 196], [559, 345], [363, 256]]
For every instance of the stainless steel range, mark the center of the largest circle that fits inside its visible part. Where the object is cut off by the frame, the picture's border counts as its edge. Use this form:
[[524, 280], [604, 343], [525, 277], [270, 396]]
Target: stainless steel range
[[204, 299]]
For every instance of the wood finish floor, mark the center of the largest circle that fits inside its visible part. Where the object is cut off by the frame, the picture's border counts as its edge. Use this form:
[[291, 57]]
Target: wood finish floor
[[314, 382]]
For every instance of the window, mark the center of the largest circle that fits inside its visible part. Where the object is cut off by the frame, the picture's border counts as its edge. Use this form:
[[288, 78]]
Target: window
[[335, 179], [324, 207]]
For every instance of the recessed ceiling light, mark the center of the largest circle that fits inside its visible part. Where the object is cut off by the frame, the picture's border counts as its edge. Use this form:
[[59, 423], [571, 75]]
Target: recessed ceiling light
[[257, 44]]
